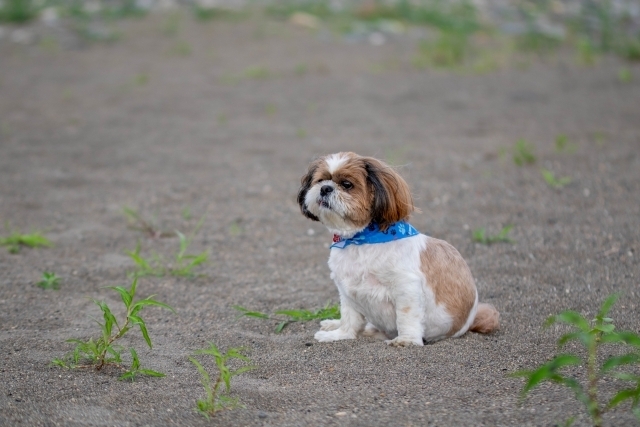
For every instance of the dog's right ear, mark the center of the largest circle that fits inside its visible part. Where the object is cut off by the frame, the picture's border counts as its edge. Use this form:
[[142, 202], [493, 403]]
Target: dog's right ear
[[305, 184]]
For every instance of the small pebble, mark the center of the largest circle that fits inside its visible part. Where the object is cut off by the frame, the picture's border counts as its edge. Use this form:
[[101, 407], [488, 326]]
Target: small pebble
[[262, 414], [311, 232], [340, 414]]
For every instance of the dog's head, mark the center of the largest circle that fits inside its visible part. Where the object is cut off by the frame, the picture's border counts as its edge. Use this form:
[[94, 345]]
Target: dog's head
[[346, 192]]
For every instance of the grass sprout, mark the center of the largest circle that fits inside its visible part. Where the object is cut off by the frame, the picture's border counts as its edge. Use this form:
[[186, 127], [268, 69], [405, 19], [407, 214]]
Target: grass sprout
[[624, 75], [593, 335], [563, 145], [523, 153], [285, 317], [182, 264], [480, 235], [218, 398], [552, 181], [16, 240], [103, 350], [49, 281]]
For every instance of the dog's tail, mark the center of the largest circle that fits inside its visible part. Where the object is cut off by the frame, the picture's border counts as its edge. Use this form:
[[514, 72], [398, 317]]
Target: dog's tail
[[487, 319]]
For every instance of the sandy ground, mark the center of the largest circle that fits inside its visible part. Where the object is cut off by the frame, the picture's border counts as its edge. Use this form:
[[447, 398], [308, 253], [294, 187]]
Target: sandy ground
[[146, 124]]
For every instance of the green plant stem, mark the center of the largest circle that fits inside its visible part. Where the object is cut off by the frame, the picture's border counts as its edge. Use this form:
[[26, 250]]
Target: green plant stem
[[592, 374], [217, 384], [121, 332]]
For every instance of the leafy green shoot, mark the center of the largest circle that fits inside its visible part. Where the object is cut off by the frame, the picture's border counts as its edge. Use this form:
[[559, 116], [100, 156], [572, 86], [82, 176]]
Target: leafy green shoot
[[592, 335], [104, 350], [186, 213], [624, 75], [285, 317], [563, 145], [182, 264], [16, 240], [49, 281], [552, 181], [523, 153], [480, 235], [217, 398]]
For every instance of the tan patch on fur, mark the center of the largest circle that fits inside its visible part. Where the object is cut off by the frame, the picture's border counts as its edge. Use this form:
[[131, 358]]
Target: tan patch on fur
[[397, 202], [405, 310], [487, 319], [450, 279]]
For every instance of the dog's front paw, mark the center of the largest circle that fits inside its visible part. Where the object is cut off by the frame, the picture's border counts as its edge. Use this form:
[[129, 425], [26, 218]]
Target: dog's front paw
[[405, 342], [335, 335], [330, 324]]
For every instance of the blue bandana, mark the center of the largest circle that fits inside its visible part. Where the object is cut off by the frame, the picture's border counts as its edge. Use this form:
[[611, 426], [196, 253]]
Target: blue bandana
[[373, 234]]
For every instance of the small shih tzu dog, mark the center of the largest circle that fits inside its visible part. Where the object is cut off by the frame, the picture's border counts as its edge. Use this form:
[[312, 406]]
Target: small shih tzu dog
[[394, 282]]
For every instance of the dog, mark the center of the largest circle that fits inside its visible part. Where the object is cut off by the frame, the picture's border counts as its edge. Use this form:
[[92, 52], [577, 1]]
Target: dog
[[394, 283]]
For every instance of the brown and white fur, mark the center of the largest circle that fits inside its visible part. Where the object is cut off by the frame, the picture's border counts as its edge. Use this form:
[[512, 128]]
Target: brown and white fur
[[408, 291]]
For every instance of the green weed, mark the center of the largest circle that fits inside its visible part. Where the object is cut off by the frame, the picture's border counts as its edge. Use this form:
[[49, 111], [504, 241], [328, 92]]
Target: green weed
[[630, 49], [204, 13], [285, 317], [49, 281], [171, 25], [537, 42], [17, 240], [182, 265], [449, 50], [257, 73], [624, 75], [141, 79], [600, 138], [181, 48], [587, 53], [563, 145], [18, 11], [523, 153], [270, 109], [217, 399], [148, 227], [552, 181], [480, 235], [301, 69], [593, 335], [186, 213], [104, 350], [236, 228]]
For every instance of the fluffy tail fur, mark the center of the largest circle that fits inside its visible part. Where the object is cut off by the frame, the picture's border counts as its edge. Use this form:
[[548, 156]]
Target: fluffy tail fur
[[487, 319]]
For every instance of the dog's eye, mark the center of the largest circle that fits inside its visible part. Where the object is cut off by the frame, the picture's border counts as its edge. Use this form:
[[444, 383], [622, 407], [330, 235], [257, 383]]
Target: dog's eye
[[347, 185]]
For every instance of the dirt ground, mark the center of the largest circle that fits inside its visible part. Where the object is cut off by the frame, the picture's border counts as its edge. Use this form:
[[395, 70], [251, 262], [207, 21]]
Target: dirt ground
[[161, 123]]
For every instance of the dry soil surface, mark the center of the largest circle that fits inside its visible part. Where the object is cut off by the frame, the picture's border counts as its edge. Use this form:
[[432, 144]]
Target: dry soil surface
[[162, 122]]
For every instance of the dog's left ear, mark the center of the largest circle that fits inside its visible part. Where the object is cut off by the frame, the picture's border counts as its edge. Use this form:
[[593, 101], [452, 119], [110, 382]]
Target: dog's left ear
[[392, 199], [305, 184]]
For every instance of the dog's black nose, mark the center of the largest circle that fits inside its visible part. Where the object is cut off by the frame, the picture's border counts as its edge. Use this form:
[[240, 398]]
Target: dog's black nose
[[325, 189]]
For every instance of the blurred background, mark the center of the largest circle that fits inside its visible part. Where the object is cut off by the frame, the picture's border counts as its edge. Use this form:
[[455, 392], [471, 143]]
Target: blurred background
[[516, 124], [455, 33]]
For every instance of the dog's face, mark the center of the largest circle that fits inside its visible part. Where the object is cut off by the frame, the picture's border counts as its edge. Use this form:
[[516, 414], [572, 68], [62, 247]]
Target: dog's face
[[346, 192]]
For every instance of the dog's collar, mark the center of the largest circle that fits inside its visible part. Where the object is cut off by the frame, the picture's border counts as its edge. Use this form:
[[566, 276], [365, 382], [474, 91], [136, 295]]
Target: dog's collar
[[373, 234]]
